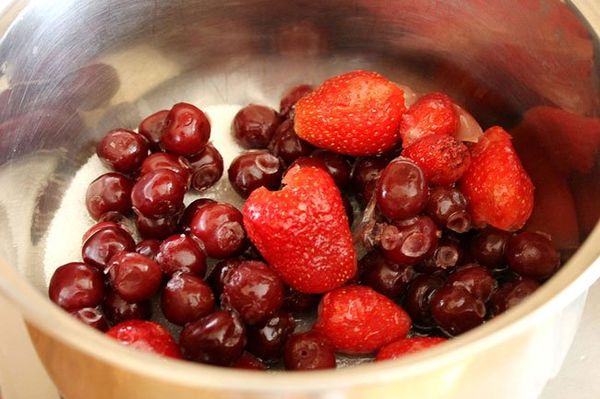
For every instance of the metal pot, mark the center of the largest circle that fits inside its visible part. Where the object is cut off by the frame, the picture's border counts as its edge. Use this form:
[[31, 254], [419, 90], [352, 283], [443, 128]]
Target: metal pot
[[73, 69]]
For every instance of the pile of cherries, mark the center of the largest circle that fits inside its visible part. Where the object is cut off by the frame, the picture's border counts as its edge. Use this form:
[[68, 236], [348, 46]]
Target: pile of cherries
[[447, 276]]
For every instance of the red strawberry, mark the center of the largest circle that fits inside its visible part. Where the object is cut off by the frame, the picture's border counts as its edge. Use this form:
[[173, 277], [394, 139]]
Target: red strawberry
[[499, 191], [146, 336], [442, 158], [302, 231], [431, 114], [356, 319], [357, 113], [407, 346]]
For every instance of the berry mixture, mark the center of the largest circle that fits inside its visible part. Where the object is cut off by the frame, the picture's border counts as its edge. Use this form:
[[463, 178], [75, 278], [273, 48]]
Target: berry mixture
[[372, 226]]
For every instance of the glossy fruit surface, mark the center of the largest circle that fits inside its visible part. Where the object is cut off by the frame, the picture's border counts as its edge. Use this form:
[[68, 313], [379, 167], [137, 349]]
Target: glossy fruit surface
[[146, 336], [76, 285]]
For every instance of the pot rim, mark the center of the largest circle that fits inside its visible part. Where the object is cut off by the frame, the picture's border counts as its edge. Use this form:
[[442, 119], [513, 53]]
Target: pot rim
[[572, 281]]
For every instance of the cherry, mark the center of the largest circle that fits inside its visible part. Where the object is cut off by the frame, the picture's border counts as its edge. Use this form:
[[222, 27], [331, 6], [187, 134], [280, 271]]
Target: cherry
[[512, 293], [287, 145], [253, 169], [248, 362], [157, 228], [186, 130], [402, 189], [186, 298], [456, 310], [448, 254], [216, 279], [220, 227], [101, 246], [158, 194], [218, 338], [337, 165], [254, 126], [207, 168], [266, 340], [254, 290], [309, 351], [291, 97], [76, 285], [418, 298], [97, 227], [299, 302], [93, 317], [133, 276], [384, 276], [146, 336], [163, 160], [110, 192], [180, 252], [488, 247], [118, 309], [365, 174], [532, 255], [410, 241], [475, 279], [123, 150], [148, 248], [152, 127], [190, 211], [448, 208]]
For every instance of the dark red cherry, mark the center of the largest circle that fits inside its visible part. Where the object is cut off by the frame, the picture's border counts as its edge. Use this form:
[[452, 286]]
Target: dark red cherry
[[266, 340], [512, 293], [448, 208], [410, 241], [418, 298], [532, 255], [384, 276], [118, 309], [148, 248], [186, 130], [402, 189], [190, 211], [158, 194], [181, 253], [186, 298], [93, 317], [97, 227], [291, 97], [133, 276], [123, 150], [475, 279], [163, 160], [110, 192], [157, 228], [447, 256], [218, 338], [254, 126], [253, 169], [488, 247], [309, 351], [456, 310], [216, 279], [287, 145], [220, 227], [152, 127], [207, 168], [365, 174], [248, 362], [299, 302], [338, 166], [254, 290], [104, 244], [76, 285]]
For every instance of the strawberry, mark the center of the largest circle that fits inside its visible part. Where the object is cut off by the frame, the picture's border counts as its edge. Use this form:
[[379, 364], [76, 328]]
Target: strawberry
[[146, 336], [407, 346], [302, 231], [356, 319], [431, 114], [357, 113], [442, 158], [498, 189]]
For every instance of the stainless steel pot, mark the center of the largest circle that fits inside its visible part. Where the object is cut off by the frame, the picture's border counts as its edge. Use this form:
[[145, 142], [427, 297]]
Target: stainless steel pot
[[73, 69]]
